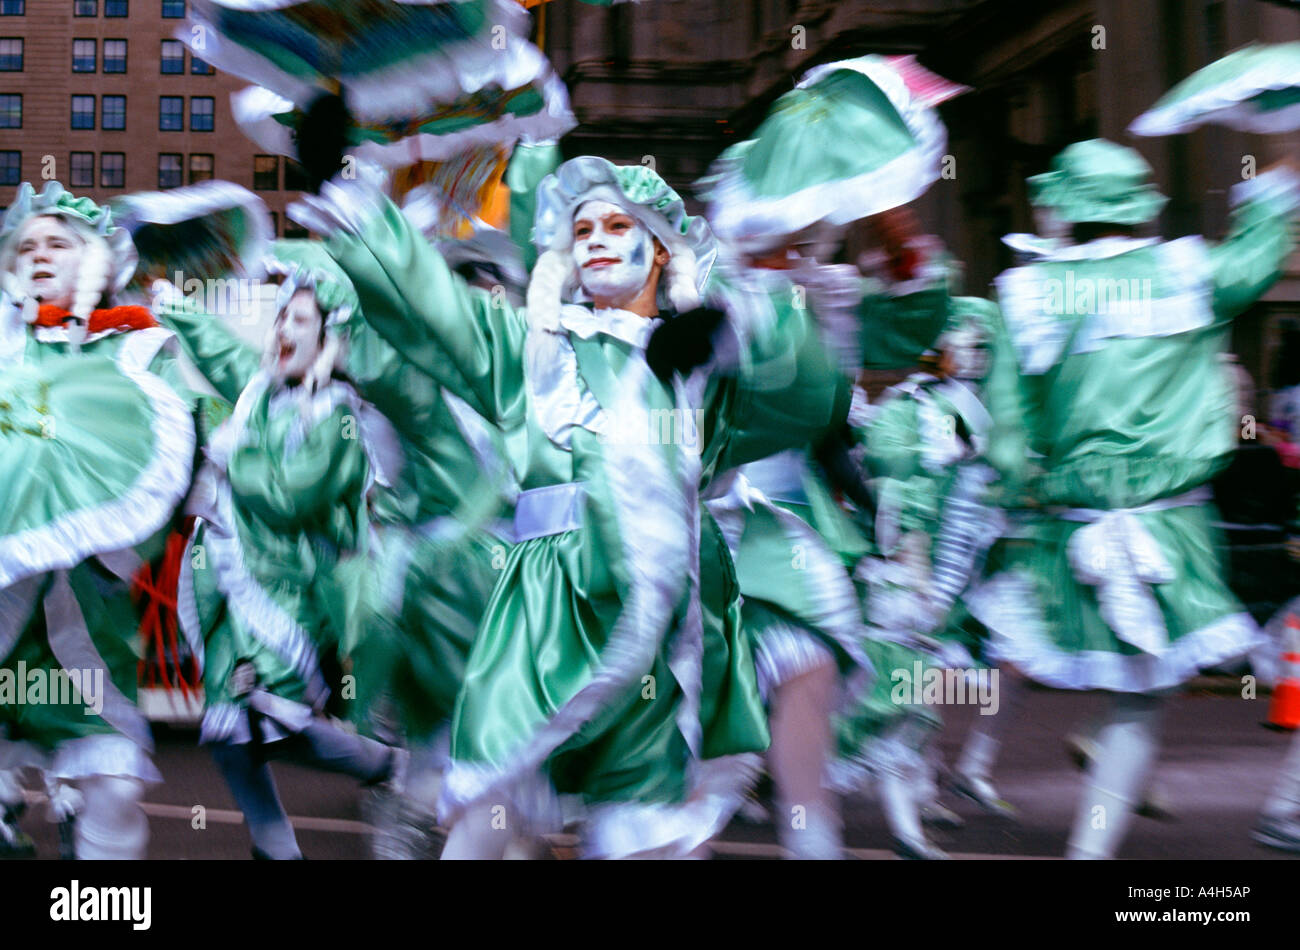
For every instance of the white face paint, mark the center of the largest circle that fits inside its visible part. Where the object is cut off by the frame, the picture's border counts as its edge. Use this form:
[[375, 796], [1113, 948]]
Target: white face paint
[[613, 252], [295, 341], [49, 257]]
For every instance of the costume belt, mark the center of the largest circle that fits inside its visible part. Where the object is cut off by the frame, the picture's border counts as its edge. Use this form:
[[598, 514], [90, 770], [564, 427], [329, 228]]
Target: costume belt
[[1117, 554], [554, 509]]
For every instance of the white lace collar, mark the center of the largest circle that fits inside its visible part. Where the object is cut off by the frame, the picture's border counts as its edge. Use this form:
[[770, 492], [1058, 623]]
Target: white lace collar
[[630, 328]]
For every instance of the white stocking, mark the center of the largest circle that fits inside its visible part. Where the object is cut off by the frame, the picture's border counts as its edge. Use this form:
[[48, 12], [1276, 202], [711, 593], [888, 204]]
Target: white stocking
[[1128, 744], [807, 820], [111, 825]]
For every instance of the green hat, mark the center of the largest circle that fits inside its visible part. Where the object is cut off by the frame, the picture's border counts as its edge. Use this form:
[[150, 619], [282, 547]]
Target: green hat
[[643, 194], [57, 202], [1098, 181], [307, 265]]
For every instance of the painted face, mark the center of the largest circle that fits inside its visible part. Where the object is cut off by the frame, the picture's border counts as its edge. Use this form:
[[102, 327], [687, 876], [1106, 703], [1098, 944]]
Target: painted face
[[614, 252], [295, 340], [49, 257]]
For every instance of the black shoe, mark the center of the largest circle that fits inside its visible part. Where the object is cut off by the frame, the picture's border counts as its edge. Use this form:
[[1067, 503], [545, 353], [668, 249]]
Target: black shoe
[[1280, 833], [14, 842]]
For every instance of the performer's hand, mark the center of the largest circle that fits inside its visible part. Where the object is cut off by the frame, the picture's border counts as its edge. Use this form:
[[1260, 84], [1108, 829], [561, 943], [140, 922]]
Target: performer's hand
[[683, 343], [323, 137]]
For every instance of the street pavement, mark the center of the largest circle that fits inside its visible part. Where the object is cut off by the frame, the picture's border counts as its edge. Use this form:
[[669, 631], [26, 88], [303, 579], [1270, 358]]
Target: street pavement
[[1216, 767]]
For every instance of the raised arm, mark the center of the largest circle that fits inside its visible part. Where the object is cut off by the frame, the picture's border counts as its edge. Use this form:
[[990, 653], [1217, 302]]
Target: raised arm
[[224, 358], [467, 339], [1250, 259]]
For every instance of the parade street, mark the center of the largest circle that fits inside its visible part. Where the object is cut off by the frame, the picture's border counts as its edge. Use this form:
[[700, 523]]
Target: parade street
[[1216, 766]]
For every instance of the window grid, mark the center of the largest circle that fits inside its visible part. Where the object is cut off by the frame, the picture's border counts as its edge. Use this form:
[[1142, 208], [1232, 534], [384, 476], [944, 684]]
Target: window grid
[[11, 54], [112, 170], [115, 8], [83, 56], [83, 112], [85, 8], [11, 163], [201, 168], [199, 67], [171, 113], [114, 56], [201, 113], [172, 62], [11, 111], [169, 170], [266, 172], [12, 8], [173, 9], [83, 170], [113, 113]]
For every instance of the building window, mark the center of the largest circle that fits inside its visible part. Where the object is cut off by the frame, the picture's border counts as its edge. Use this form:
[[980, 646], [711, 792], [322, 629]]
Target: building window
[[275, 217], [200, 168], [11, 111], [201, 113], [173, 58], [171, 113], [85, 8], [11, 55], [292, 229], [83, 56], [11, 8], [83, 112], [173, 9], [200, 68], [83, 170], [114, 56], [295, 179], [11, 166], [169, 170], [113, 113], [112, 170], [266, 172], [114, 7]]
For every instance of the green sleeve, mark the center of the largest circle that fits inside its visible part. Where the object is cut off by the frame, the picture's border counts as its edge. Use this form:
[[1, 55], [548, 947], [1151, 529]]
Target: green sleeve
[[787, 393], [529, 164], [1004, 396], [893, 441], [467, 340], [1250, 259], [896, 328], [324, 473], [225, 359]]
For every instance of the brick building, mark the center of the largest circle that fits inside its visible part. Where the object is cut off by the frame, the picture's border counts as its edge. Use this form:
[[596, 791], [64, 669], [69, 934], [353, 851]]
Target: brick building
[[99, 95]]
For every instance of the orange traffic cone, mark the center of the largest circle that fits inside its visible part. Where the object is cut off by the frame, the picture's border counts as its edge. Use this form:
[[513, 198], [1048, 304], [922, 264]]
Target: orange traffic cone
[[1284, 711]]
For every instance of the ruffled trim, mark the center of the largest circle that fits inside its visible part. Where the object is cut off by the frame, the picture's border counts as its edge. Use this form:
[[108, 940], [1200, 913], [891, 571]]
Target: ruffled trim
[[1009, 607], [653, 510], [102, 755], [740, 216], [16, 605], [199, 201], [229, 722], [782, 652], [403, 88], [1228, 103], [635, 830], [255, 110], [133, 517]]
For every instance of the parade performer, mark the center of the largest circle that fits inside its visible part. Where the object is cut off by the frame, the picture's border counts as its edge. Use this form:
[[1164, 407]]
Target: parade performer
[[609, 662], [279, 565], [1118, 338], [98, 439]]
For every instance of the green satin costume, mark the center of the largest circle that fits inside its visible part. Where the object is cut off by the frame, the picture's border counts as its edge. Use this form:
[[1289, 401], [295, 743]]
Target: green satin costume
[[1115, 582], [553, 682]]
